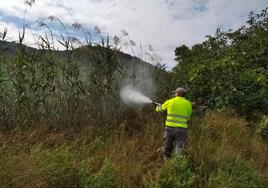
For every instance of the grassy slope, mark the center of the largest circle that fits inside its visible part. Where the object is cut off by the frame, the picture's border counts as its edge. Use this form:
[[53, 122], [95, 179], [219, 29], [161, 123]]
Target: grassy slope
[[42, 158]]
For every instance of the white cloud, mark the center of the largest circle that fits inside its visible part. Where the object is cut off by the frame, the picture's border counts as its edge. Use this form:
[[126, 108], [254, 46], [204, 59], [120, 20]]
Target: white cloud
[[165, 24]]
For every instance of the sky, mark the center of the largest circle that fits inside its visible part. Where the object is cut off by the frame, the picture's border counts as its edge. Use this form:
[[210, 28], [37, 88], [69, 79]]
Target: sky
[[156, 26]]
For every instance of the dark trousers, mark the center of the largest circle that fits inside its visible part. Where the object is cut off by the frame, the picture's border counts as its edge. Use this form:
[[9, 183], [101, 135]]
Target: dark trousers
[[174, 137]]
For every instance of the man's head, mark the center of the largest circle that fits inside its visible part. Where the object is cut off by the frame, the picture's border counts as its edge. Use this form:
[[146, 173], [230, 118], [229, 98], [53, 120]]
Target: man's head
[[180, 91]]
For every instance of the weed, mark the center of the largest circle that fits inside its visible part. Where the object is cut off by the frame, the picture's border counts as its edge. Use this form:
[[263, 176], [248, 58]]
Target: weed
[[234, 172], [176, 173]]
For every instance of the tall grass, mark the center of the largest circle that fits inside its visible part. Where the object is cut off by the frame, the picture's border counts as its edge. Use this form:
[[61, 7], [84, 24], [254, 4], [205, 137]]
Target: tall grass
[[222, 138], [220, 154], [65, 88]]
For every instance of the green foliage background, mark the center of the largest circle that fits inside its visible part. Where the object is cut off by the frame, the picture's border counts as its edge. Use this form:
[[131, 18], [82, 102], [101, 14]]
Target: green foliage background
[[229, 69]]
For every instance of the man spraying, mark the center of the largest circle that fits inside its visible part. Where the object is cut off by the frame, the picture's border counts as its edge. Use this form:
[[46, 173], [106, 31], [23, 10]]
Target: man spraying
[[179, 111]]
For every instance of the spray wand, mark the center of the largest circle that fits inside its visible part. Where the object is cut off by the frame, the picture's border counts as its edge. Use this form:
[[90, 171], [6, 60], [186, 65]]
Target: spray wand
[[156, 103]]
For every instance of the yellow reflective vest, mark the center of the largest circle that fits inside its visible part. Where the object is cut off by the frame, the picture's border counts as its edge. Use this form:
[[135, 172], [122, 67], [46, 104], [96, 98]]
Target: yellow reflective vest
[[179, 111]]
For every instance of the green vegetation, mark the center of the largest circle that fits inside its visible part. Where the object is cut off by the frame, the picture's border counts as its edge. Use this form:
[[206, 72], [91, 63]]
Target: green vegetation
[[62, 123], [221, 153], [234, 172], [57, 167], [262, 127], [176, 173], [229, 69]]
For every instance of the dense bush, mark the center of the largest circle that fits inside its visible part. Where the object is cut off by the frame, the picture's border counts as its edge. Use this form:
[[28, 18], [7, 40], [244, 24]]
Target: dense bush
[[219, 139], [103, 179], [234, 172], [57, 167], [262, 127], [176, 172]]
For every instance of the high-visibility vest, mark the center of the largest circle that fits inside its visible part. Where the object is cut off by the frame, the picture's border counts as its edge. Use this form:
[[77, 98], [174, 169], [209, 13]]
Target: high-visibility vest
[[179, 111]]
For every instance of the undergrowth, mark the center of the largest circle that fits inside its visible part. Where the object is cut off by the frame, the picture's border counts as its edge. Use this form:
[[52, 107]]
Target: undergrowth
[[221, 152]]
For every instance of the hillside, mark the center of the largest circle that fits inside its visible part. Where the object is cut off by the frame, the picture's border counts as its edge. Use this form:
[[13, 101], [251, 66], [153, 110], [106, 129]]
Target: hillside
[[9, 49]]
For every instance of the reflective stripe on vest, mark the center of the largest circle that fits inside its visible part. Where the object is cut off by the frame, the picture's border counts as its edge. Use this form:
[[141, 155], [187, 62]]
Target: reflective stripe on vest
[[175, 120], [179, 122], [178, 116]]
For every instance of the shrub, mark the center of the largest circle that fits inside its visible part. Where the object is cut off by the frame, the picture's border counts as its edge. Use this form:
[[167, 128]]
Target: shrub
[[176, 173], [234, 172], [57, 167], [104, 178], [61, 168], [263, 128]]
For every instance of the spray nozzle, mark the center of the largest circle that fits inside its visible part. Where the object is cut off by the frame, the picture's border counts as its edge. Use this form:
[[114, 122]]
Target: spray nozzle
[[156, 103]]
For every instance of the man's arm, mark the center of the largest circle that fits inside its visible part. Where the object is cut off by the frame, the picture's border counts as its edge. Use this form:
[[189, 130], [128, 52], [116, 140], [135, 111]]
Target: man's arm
[[163, 107], [190, 111]]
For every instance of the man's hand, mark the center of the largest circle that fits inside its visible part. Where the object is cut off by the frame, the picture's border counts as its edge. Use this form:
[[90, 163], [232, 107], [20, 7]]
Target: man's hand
[[158, 108]]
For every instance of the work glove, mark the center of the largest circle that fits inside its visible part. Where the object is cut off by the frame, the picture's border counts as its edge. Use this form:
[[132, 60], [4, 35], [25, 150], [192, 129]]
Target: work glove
[[158, 108]]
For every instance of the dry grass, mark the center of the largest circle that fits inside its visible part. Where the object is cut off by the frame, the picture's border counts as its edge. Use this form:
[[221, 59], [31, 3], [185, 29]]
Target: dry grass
[[31, 158], [133, 156], [219, 135]]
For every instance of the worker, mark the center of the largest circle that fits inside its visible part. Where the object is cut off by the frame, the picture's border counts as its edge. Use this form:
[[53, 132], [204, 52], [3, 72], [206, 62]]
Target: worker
[[179, 111]]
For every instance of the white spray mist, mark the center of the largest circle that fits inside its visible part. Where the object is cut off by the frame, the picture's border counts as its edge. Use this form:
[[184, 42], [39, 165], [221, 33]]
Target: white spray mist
[[133, 97]]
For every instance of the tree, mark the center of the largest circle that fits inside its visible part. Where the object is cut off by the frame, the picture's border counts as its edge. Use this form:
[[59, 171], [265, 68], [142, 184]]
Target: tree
[[229, 69]]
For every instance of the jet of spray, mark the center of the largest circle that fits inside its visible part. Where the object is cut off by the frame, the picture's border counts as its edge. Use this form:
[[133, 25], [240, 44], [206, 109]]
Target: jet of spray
[[133, 97]]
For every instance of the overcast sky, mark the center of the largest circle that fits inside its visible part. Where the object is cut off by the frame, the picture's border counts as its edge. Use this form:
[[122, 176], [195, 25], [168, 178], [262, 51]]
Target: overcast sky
[[164, 24]]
